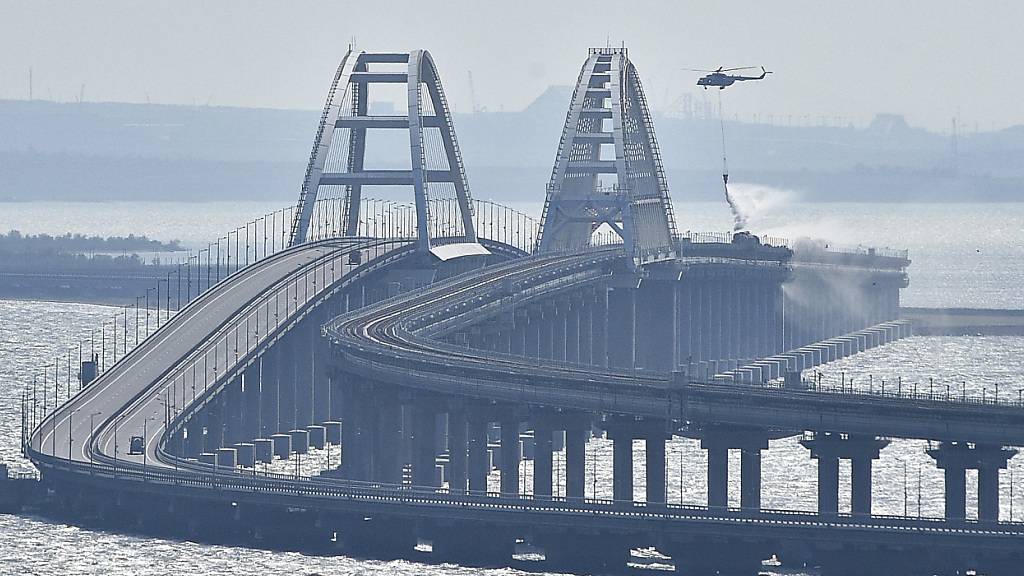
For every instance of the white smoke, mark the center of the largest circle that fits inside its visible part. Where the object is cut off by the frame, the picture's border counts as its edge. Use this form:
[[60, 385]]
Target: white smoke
[[738, 218], [755, 205]]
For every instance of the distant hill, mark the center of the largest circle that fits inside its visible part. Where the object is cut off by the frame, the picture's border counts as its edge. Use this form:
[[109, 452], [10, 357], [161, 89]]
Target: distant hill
[[113, 151]]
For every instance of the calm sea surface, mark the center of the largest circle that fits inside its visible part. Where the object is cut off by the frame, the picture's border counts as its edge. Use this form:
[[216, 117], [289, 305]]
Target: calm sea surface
[[964, 255]]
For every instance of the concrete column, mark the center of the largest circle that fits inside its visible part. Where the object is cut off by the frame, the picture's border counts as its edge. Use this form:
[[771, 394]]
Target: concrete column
[[655, 325], [988, 492], [572, 331], [684, 328], [622, 468], [251, 402], [621, 328], [655, 453], [321, 376], [356, 447], [716, 333], [575, 462], [193, 444], [586, 330], [303, 352], [545, 334], [286, 383], [718, 476], [955, 458], [477, 463], [214, 424], [559, 330], [542, 460], [531, 346], [424, 444], [956, 492], [828, 448], [517, 340], [599, 329], [510, 457], [860, 485], [458, 450], [269, 407], [233, 411], [750, 478], [387, 438], [828, 484]]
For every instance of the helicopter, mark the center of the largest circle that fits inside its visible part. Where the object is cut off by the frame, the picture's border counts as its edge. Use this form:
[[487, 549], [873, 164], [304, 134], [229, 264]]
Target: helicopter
[[721, 79]]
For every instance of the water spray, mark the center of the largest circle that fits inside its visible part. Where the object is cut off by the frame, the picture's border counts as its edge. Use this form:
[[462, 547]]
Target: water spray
[[739, 220]]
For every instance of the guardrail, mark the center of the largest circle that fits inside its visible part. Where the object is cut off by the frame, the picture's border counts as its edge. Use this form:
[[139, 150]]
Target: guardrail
[[347, 491]]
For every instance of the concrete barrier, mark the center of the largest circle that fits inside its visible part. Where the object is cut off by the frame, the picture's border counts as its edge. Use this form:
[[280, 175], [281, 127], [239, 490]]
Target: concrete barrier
[[282, 445], [317, 436], [226, 458], [264, 448], [300, 441], [246, 454], [333, 430]]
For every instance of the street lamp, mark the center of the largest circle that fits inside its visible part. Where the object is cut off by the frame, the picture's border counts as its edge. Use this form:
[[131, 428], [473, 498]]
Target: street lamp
[[92, 434]]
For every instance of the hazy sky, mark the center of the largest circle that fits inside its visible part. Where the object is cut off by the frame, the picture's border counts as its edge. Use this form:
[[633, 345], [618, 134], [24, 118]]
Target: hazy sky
[[923, 59]]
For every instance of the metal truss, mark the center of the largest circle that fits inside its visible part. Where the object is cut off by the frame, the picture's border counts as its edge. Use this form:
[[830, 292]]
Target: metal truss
[[436, 174], [609, 110]]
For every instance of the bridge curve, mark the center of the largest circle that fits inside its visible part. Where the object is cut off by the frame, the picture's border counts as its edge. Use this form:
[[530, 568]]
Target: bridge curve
[[436, 338]]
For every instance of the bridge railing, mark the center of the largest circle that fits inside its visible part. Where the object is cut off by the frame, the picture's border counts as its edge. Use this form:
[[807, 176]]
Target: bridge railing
[[275, 485], [954, 393], [75, 368], [384, 218]]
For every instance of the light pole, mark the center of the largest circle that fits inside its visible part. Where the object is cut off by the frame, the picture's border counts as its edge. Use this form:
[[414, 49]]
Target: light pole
[[92, 434]]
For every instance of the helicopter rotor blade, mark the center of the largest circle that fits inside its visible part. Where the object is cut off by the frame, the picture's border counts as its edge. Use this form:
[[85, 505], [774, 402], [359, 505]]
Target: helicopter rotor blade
[[740, 68], [696, 70]]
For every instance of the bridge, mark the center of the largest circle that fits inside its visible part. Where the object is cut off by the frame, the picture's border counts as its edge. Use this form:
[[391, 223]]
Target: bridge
[[440, 340]]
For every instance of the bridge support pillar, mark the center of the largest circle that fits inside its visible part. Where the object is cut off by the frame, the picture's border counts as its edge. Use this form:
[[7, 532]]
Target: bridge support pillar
[[828, 448], [424, 446], [251, 409], [622, 434], [355, 437], [585, 319], [545, 333], [510, 456], [955, 458], [269, 391], [286, 383], [234, 412], [321, 374], [214, 424], [575, 462], [750, 478], [387, 439], [542, 460], [621, 328], [560, 330], [478, 463], [656, 325], [750, 443], [304, 352], [193, 445], [599, 328], [457, 450], [572, 330], [655, 454]]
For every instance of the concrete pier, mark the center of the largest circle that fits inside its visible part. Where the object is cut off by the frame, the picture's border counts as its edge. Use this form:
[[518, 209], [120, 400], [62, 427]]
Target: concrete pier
[[954, 459], [828, 448]]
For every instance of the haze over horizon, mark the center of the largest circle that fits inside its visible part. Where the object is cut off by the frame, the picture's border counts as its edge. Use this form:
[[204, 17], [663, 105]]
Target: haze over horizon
[[928, 61]]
